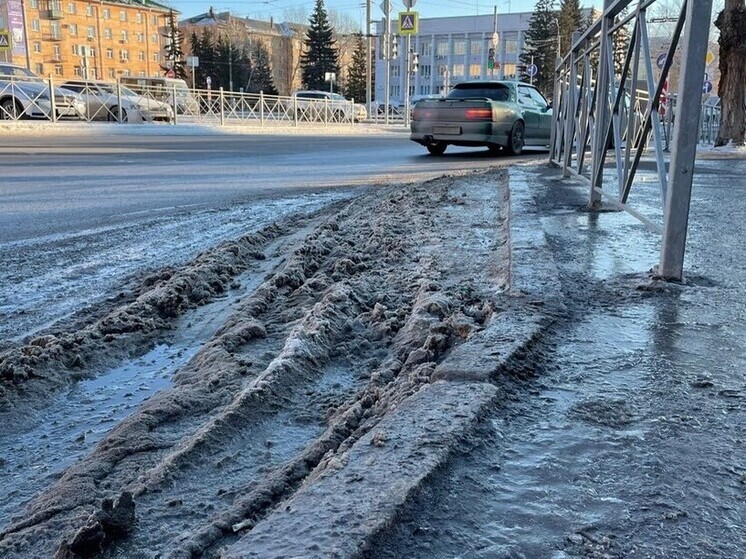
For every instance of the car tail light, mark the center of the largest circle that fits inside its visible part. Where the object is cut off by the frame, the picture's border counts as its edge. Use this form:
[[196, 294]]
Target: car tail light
[[479, 114]]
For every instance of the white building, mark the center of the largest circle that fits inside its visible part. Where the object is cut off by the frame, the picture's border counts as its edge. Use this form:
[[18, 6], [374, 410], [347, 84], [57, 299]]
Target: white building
[[452, 50]]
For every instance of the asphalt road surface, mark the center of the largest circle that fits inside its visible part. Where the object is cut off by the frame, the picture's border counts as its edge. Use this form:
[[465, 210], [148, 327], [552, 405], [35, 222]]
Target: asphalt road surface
[[73, 182]]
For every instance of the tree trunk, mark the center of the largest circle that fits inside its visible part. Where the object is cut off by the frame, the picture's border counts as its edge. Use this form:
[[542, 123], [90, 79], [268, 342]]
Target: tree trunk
[[732, 25]]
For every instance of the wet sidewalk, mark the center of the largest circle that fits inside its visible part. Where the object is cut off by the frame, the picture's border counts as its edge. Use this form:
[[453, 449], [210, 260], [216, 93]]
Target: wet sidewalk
[[623, 435]]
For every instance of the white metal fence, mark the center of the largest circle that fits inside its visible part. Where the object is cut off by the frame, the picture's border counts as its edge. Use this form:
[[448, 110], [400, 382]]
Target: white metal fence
[[22, 98]]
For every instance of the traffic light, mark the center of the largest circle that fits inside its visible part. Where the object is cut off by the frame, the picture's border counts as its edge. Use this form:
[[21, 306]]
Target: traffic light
[[394, 46], [491, 58], [414, 62]]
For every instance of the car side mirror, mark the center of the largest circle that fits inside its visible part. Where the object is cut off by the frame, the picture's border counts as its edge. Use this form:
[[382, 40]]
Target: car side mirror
[[548, 108]]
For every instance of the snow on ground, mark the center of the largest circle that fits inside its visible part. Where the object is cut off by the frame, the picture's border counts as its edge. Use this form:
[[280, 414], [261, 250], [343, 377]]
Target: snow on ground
[[334, 321]]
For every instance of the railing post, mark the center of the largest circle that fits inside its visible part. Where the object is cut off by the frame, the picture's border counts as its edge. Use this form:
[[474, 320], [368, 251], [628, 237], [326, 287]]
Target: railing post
[[261, 107], [689, 107], [570, 123], [52, 100], [119, 102], [175, 107], [598, 144], [222, 106], [352, 111]]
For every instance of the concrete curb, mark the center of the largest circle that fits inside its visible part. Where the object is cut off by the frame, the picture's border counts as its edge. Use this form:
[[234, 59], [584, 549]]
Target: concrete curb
[[340, 513]]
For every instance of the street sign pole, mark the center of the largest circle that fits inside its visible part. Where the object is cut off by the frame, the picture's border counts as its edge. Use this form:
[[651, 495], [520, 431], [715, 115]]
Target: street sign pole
[[387, 52], [531, 74], [408, 50]]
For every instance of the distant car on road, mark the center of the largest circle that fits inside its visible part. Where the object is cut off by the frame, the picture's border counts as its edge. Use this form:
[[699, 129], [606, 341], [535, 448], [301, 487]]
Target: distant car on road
[[24, 94], [104, 101], [325, 106], [172, 91], [501, 115]]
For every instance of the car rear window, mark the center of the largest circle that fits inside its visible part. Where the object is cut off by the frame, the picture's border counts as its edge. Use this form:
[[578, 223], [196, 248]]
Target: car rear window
[[496, 92]]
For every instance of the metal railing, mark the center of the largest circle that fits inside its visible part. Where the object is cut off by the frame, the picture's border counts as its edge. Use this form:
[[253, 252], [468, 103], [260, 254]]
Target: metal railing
[[91, 100], [599, 109]]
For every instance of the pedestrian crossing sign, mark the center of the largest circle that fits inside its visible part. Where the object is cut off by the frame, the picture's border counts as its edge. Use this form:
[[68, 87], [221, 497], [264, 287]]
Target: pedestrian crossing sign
[[408, 23], [4, 40]]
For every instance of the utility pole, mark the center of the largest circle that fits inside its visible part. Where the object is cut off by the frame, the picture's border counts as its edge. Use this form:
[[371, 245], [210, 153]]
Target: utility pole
[[387, 52], [368, 60]]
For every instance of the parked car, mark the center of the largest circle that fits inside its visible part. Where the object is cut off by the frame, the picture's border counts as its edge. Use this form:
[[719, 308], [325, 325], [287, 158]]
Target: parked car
[[172, 91], [104, 101], [496, 114], [24, 94], [325, 106]]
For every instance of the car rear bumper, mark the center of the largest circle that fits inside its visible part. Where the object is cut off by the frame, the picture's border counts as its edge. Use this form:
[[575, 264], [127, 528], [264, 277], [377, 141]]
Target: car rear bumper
[[461, 133]]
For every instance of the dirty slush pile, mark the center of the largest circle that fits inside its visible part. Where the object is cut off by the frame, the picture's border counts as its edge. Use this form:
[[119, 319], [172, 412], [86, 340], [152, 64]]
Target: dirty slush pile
[[354, 321]]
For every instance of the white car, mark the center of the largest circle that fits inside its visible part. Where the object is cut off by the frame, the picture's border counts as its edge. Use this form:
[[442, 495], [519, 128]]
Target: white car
[[24, 94], [325, 106], [104, 101]]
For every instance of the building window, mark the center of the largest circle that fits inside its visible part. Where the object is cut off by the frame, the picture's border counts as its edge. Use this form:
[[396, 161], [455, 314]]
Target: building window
[[426, 48], [107, 33], [89, 10], [35, 25], [57, 52], [511, 46], [475, 70], [125, 36], [109, 53], [92, 52], [395, 71], [37, 47], [141, 56], [34, 4], [154, 38], [138, 17], [395, 90], [154, 20], [124, 55], [142, 74], [73, 29], [54, 29], [71, 8], [458, 70], [125, 72], [112, 73], [509, 70], [441, 49], [91, 32], [424, 90], [58, 70], [141, 37], [122, 15], [107, 13], [156, 57], [425, 71], [476, 48], [75, 49], [459, 47], [40, 69], [76, 71]]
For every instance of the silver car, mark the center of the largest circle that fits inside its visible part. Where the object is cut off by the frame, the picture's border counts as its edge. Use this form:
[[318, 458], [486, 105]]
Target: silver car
[[24, 94], [326, 106], [106, 101]]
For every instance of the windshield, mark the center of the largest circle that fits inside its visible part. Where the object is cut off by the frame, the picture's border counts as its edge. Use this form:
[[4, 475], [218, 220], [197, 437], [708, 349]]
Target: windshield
[[338, 97], [17, 72], [496, 92]]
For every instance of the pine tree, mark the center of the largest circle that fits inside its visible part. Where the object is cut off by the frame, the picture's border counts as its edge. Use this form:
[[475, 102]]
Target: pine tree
[[174, 54], [356, 76], [570, 19], [203, 47], [320, 53], [261, 77], [231, 65], [541, 45], [622, 39]]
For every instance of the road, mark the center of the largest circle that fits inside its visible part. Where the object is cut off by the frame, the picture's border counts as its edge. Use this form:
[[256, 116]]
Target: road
[[68, 183]]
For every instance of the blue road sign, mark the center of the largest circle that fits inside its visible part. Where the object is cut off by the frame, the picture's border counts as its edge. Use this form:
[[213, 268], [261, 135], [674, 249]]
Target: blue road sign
[[532, 70], [707, 87], [661, 60]]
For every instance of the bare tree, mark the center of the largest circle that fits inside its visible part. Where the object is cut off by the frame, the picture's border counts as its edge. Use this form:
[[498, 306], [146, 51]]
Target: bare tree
[[732, 24]]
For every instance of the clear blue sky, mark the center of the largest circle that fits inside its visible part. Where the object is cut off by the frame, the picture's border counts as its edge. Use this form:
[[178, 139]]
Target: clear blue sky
[[355, 9]]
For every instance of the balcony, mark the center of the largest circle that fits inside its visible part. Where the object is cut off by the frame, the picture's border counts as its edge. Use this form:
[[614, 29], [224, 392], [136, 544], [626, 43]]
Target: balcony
[[52, 37], [54, 13], [55, 59]]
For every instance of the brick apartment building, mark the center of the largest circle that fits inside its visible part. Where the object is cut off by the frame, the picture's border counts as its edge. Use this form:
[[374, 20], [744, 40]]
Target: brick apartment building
[[97, 39]]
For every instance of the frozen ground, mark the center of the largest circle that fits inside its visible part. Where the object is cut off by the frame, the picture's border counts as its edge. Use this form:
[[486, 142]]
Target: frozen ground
[[355, 379]]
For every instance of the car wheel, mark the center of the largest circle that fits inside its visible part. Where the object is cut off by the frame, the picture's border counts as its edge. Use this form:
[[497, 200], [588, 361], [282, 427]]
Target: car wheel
[[436, 148], [113, 115], [516, 139], [10, 109]]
